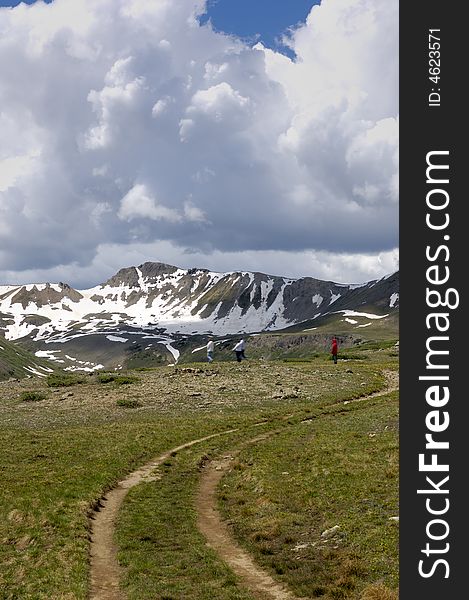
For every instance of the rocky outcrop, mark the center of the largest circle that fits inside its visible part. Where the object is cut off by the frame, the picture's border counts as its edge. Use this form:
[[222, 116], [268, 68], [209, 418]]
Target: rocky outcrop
[[45, 294]]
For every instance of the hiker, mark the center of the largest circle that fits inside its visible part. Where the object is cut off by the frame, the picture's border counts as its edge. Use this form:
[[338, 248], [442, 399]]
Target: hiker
[[210, 348], [334, 349], [239, 349]]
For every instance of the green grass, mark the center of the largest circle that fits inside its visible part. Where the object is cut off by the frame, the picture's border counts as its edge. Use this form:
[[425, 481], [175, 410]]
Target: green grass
[[64, 379], [116, 378], [305, 360], [50, 479], [59, 456], [32, 396], [338, 470], [351, 356], [128, 403]]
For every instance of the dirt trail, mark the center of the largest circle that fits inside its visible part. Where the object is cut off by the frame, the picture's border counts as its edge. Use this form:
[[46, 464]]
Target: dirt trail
[[104, 568], [210, 523]]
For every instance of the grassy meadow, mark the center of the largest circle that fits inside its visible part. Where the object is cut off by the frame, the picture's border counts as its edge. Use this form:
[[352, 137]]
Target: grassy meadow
[[315, 503]]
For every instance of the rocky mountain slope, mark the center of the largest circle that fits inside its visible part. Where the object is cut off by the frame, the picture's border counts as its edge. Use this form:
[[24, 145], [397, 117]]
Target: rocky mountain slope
[[158, 304]]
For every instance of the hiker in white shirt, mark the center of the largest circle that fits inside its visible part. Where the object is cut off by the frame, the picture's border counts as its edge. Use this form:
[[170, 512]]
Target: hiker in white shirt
[[210, 348], [239, 349]]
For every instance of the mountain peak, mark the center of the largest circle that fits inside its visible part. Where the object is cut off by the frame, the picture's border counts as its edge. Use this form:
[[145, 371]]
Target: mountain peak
[[152, 270], [131, 276]]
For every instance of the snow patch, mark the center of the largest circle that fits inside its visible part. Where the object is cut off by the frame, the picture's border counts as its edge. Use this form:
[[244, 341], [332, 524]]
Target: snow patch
[[317, 299], [47, 354], [354, 313], [115, 338], [198, 349], [173, 351], [34, 371]]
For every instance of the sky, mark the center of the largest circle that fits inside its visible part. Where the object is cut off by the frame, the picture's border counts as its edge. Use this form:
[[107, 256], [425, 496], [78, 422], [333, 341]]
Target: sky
[[239, 136], [259, 20]]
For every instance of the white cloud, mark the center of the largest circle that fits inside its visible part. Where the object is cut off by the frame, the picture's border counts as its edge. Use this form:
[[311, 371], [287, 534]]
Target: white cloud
[[14, 167], [113, 102], [217, 100], [161, 106], [125, 124], [193, 213], [139, 203]]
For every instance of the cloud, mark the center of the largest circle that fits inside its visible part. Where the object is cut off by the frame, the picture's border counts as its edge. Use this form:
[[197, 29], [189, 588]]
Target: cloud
[[109, 258], [138, 203], [217, 101], [128, 124]]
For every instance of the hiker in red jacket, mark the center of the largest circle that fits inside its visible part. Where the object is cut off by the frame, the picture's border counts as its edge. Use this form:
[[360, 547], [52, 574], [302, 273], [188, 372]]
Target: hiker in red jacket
[[334, 349]]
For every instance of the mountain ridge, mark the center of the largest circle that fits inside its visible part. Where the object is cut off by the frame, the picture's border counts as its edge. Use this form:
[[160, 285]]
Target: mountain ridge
[[162, 302]]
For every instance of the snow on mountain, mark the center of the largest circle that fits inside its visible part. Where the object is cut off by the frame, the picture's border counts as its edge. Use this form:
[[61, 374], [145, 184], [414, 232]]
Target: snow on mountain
[[164, 297], [393, 299], [159, 301]]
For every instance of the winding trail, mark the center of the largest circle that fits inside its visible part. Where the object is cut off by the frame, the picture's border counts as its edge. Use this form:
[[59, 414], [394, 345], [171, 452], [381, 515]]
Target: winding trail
[[210, 523], [104, 568]]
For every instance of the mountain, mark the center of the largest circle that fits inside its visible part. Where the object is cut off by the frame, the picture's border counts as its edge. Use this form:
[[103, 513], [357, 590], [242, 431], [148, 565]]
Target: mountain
[[154, 306]]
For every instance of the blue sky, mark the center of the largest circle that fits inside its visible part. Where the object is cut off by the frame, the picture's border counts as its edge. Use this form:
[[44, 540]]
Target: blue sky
[[259, 20], [15, 2]]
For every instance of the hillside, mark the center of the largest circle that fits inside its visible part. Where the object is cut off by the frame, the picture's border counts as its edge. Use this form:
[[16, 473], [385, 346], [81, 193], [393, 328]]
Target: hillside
[[18, 363]]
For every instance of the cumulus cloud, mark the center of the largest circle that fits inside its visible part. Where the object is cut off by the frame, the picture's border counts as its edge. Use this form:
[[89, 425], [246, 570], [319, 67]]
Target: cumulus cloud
[[139, 203], [126, 124]]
